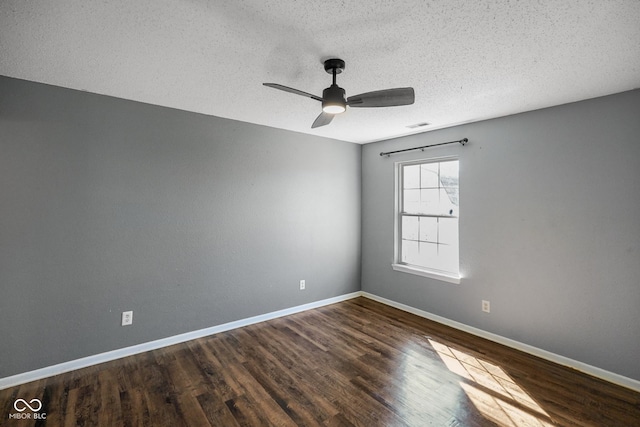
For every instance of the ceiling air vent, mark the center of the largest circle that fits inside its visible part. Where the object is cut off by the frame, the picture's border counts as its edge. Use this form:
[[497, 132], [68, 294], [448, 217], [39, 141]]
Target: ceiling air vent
[[418, 125]]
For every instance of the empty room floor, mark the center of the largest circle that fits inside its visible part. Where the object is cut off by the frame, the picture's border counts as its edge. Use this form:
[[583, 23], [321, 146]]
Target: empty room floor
[[357, 362]]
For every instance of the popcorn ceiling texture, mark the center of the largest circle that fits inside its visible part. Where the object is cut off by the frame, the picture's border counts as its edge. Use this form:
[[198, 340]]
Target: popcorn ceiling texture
[[468, 61]]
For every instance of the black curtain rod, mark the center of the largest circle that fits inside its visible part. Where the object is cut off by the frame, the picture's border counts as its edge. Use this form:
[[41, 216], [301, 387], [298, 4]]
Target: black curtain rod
[[462, 141]]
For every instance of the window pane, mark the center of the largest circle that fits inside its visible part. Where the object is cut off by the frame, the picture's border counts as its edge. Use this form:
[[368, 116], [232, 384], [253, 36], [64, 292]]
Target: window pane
[[453, 193], [429, 175], [447, 207], [429, 201], [448, 231], [428, 255], [429, 229], [410, 252], [447, 258], [412, 176], [449, 174], [411, 201], [410, 227]]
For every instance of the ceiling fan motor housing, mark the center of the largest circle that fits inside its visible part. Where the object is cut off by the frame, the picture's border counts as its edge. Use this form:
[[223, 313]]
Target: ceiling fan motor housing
[[333, 100]]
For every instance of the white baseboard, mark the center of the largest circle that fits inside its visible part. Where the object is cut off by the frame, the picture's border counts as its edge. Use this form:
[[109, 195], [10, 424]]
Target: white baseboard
[[165, 342], [543, 354], [84, 362]]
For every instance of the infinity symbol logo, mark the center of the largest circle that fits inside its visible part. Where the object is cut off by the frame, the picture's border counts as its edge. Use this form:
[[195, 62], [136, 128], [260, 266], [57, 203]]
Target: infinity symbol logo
[[26, 405]]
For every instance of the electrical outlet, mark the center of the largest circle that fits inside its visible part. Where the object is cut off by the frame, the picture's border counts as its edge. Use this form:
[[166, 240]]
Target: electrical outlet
[[486, 306], [127, 318], [303, 285]]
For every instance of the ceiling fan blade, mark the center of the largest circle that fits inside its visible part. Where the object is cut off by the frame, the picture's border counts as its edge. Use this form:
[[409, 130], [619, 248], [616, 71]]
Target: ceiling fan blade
[[322, 120], [383, 98], [292, 90]]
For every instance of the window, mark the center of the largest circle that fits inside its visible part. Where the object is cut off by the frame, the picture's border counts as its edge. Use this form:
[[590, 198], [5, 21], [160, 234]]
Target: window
[[427, 219]]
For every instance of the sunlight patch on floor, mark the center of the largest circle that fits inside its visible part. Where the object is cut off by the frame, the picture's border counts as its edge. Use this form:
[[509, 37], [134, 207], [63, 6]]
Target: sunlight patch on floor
[[422, 393], [492, 391]]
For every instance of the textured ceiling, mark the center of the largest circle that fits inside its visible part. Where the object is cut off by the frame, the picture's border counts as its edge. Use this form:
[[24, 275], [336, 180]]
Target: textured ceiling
[[467, 60]]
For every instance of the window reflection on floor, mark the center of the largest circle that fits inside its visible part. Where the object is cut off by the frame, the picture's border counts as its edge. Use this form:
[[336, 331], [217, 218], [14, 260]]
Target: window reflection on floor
[[492, 391], [425, 399]]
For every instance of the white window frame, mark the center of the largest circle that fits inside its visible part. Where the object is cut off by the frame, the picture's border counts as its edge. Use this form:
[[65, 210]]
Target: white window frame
[[398, 265]]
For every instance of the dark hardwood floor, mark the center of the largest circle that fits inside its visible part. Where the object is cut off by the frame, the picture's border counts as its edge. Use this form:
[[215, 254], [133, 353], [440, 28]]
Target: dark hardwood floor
[[357, 363]]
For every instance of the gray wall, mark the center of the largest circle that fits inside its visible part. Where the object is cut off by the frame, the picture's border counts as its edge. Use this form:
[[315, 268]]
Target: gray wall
[[190, 221], [549, 229]]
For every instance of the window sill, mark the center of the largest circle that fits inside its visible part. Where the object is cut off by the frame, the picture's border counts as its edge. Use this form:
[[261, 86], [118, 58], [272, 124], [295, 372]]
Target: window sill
[[445, 277]]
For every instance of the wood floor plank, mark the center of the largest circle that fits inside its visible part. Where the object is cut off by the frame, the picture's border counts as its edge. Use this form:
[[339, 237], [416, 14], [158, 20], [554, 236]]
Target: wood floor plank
[[255, 401], [70, 411], [293, 395], [109, 398], [354, 363]]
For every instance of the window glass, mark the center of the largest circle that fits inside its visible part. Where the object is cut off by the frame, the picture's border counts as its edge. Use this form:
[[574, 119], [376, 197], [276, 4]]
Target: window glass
[[428, 220], [412, 176], [429, 175]]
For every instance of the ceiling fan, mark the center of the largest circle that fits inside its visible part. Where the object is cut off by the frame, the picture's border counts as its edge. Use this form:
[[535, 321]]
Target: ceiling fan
[[333, 98]]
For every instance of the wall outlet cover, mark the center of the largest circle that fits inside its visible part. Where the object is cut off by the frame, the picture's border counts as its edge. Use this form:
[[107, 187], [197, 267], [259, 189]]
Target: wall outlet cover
[[486, 306], [127, 318]]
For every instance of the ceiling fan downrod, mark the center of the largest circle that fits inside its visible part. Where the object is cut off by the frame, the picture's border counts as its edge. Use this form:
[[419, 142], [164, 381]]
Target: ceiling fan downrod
[[333, 97]]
